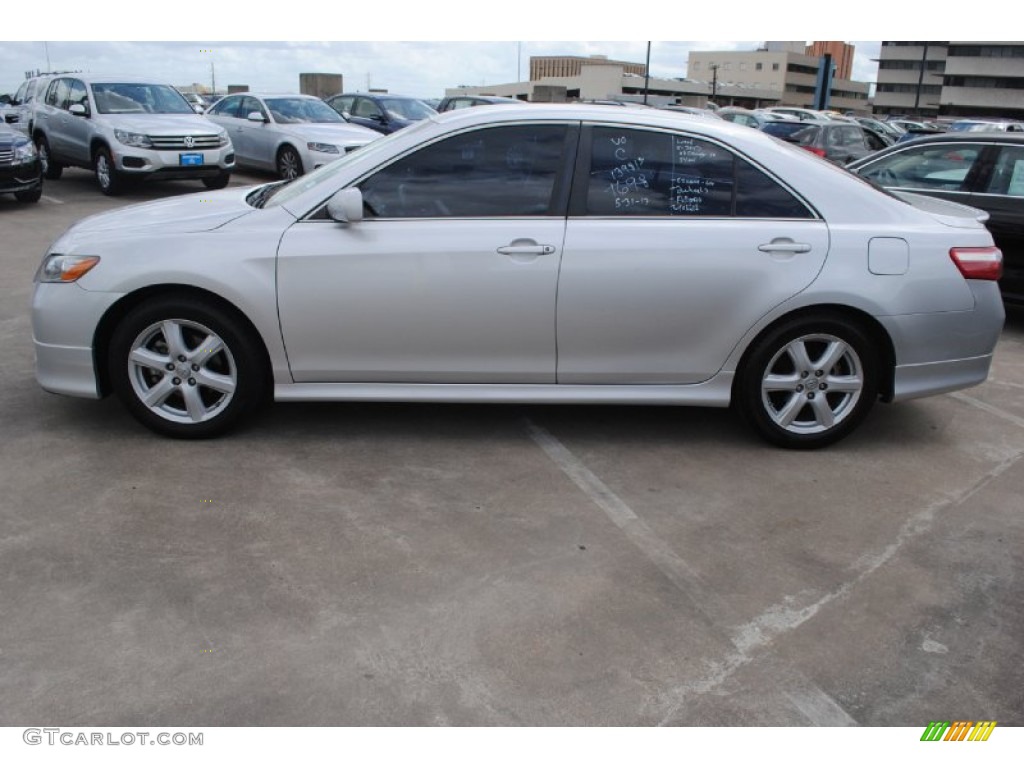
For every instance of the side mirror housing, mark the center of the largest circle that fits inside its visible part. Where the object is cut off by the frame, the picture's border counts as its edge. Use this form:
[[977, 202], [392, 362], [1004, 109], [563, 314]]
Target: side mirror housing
[[346, 206], [78, 109], [256, 117]]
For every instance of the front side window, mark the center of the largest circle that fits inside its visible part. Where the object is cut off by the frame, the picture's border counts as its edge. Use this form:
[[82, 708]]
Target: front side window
[[227, 107], [250, 105], [409, 109], [646, 173], [493, 172], [1008, 173], [366, 108], [940, 166], [77, 93]]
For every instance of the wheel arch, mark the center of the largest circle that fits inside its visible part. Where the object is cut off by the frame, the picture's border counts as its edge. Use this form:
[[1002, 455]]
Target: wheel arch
[[868, 324], [119, 309]]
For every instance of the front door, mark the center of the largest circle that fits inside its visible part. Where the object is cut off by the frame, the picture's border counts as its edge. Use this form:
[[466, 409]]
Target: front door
[[450, 278]]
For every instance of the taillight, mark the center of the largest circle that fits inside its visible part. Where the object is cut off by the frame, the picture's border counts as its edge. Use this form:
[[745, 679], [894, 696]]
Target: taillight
[[978, 263], [815, 151]]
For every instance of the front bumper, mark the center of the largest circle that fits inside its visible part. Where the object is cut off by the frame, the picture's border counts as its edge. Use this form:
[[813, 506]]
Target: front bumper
[[64, 320], [166, 164], [21, 177]]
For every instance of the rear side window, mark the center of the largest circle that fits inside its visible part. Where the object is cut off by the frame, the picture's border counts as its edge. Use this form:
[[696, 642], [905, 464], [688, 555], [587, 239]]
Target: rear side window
[[647, 173], [1008, 173], [940, 166], [493, 172]]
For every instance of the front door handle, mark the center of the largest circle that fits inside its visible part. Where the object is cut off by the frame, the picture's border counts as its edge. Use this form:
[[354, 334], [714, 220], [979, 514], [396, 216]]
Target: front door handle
[[784, 246], [526, 250]]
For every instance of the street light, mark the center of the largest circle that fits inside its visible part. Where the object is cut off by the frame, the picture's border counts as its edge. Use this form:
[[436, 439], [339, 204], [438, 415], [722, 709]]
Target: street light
[[714, 83]]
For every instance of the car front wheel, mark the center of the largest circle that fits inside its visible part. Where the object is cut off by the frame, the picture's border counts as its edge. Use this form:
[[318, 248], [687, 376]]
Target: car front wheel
[[289, 164], [51, 170], [106, 173], [809, 382], [185, 368]]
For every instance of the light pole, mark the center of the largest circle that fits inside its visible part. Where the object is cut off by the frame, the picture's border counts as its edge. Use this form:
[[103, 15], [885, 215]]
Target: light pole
[[647, 71], [714, 83]]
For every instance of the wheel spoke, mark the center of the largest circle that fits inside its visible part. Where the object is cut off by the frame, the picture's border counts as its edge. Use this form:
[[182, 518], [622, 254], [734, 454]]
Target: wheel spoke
[[844, 383], [785, 416], [775, 382], [209, 379], [822, 411], [194, 403], [147, 358], [210, 346], [833, 354], [798, 353], [174, 338], [156, 396]]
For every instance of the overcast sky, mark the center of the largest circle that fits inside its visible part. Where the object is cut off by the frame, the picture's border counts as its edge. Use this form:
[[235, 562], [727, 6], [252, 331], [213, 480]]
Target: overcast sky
[[416, 68]]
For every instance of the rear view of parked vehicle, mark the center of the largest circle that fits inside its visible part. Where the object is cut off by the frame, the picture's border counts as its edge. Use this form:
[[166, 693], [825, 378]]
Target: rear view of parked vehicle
[[124, 129]]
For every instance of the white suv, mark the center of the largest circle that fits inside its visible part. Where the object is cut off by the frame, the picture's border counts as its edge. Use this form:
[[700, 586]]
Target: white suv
[[123, 128]]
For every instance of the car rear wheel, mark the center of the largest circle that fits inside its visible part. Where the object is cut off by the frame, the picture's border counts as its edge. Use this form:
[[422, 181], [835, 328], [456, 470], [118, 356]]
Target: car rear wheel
[[289, 164], [186, 368], [107, 177], [809, 382], [51, 170]]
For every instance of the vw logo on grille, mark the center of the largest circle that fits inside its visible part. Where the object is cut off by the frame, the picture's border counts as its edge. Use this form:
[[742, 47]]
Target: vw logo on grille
[[189, 141]]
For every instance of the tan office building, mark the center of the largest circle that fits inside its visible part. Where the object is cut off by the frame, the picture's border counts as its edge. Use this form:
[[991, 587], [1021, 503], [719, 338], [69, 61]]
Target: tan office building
[[572, 66]]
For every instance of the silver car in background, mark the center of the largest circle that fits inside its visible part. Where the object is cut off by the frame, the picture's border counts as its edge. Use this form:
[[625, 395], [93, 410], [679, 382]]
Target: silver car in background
[[288, 134], [124, 128], [537, 254]]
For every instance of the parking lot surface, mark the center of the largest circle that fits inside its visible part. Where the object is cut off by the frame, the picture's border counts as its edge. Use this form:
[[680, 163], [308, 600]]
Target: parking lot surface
[[355, 564]]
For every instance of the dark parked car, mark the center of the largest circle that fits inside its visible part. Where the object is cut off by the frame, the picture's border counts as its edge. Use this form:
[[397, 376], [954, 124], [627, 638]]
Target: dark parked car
[[448, 103], [840, 142], [20, 171], [383, 112], [983, 170]]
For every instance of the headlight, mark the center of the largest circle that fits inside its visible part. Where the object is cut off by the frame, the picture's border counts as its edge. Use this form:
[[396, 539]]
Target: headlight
[[58, 268], [24, 153], [222, 139], [133, 139], [328, 148]]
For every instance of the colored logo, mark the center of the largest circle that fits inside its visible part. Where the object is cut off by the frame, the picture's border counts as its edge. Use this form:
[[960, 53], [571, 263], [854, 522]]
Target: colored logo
[[960, 730]]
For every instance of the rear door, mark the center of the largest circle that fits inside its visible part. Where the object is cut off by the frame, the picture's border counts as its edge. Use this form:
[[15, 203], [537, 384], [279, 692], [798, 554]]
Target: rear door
[[675, 246]]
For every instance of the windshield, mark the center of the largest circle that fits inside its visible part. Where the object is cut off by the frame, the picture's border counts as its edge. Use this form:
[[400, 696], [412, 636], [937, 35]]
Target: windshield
[[296, 110], [410, 109], [323, 174], [139, 98]]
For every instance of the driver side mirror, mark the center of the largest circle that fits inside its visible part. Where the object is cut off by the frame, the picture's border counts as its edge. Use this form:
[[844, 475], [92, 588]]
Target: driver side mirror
[[346, 206]]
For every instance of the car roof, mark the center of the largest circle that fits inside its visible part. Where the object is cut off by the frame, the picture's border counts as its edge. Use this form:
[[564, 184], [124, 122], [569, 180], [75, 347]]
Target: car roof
[[960, 137]]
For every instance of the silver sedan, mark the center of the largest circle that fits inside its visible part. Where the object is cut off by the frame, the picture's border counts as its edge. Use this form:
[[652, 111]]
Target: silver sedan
[[287, 134], [536, 254]]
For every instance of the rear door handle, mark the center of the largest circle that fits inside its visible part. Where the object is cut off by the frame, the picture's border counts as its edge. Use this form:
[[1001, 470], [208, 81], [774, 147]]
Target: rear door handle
[[787, 246]]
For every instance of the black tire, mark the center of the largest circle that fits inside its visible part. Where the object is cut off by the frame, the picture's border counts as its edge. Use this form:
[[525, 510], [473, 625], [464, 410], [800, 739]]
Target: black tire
[[289, 164], [191, 399], [217, 182], [29, 195], [110, 181], [794, 404], [51, 169]]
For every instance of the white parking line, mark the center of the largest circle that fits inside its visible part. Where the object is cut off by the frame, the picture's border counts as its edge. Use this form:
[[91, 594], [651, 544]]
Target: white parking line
[[1004, 415], [49, 199]]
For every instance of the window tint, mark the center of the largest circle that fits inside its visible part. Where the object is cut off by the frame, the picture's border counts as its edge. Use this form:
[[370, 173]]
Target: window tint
[[758, 196], [507, 171], [643, 173], [1008, 174], [939, 166]]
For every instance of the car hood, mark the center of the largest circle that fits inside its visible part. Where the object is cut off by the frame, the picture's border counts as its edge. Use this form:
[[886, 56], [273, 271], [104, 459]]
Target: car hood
[[945, 211], [164, 125], [331, 133], [199, 212]]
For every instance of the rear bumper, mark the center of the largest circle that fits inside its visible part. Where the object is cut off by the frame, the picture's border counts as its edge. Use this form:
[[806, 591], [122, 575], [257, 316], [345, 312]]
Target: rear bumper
[[935, 378]]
